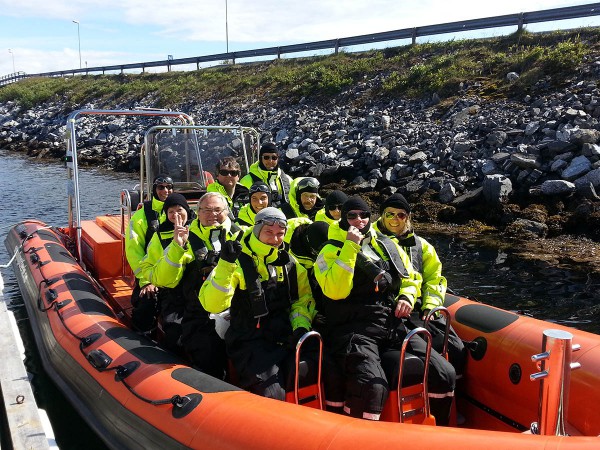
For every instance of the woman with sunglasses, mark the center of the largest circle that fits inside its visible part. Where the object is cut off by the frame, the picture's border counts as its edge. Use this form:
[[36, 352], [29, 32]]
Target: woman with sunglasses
[[270, 302], [143, 224], [260, 198], [395, 222], [227, 183], [369, 290], [332, 212], [267, 170], [304, 200]]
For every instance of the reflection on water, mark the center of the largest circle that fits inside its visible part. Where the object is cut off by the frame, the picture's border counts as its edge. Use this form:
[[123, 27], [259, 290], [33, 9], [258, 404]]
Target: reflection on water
[[37, 190], [497, 277]]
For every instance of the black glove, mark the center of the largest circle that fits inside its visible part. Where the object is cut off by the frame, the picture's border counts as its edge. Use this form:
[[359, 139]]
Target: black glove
[[297, 334], [380, 277], [231, 250]]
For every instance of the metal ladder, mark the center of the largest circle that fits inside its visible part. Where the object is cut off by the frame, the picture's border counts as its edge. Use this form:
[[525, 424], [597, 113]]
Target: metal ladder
[[309, 395], [413, 401]]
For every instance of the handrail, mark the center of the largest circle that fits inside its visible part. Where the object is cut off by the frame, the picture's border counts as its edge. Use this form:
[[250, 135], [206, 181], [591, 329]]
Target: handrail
[[74, 204], [518, 19]]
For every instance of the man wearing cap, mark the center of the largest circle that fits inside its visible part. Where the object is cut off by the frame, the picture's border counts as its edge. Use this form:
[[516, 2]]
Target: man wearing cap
[[395, 222], [143, 224], [267, 170], [270, 302], [227, 183], [304, 199], [260, 198], [369, 288], [332, 212]]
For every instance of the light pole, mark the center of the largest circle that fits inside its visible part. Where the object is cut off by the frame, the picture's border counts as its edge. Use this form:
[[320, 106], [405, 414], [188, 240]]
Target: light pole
[[13, 59], [226, 28], [78, 41]]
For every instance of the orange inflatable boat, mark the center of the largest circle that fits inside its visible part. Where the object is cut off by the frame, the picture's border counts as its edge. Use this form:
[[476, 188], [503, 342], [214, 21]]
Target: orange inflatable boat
[[77, 287]]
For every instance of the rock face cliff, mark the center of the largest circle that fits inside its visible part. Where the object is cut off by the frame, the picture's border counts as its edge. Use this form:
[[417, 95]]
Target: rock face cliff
[[530, 165]]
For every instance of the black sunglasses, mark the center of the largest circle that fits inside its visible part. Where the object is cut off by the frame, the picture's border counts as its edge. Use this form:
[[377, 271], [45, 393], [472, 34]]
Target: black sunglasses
[[334, 207], [272, 158], [355, 215], [229, 173], [160, 187]]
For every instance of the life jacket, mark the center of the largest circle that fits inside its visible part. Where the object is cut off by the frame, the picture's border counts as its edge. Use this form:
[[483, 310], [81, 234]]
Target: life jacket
[[263, 308], [364, 300], [152, 219], [277, 198]]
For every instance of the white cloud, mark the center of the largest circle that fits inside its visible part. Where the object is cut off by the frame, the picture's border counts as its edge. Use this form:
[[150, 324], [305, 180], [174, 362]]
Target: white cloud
[[125, 31]]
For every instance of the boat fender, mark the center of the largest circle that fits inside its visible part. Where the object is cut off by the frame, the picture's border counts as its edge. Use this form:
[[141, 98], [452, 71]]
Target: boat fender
[[477, 347], [98, 359]]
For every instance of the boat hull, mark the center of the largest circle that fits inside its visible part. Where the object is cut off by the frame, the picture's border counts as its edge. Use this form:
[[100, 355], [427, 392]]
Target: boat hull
[[110, 374]]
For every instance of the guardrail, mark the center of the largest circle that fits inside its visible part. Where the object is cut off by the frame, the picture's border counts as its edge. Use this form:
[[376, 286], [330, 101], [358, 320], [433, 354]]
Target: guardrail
[[518, 20]]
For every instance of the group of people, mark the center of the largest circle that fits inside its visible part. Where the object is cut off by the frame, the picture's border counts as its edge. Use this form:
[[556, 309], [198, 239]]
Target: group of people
[[284, 261]]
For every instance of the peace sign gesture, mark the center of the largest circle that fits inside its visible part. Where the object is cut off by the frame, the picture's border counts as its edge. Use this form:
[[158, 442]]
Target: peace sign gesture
[[181, 232]]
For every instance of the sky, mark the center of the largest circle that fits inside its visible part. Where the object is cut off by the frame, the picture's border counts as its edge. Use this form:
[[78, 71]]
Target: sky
[[41, 36]]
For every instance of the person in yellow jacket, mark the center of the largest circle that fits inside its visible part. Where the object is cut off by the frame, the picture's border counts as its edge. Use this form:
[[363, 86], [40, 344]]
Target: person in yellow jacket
[[142, 226], [267, 170], [395, 222], [332, 212], [227, 183], [304, 199], [178, 265], [270, 301], [369, 289], [260, 198]]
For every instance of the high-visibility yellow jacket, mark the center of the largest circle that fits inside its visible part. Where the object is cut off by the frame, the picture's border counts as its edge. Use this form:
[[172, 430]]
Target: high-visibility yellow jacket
[[135, 237], [277, 180], [218, 291], [424, 260]]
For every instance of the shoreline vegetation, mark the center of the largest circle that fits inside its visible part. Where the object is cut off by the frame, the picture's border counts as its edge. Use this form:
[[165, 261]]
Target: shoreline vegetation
[[494, 139]]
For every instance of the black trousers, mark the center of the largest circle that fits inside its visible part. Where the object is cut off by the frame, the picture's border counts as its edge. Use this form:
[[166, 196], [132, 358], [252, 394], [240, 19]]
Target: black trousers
[[367, 385], [457, 353]]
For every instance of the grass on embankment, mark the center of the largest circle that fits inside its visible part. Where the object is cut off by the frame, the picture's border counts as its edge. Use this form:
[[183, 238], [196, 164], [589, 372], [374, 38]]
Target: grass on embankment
[[407, 71]]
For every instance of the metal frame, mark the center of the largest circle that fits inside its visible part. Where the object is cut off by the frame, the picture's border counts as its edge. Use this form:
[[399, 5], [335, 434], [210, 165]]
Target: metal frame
[[301, 341], [74, 203]]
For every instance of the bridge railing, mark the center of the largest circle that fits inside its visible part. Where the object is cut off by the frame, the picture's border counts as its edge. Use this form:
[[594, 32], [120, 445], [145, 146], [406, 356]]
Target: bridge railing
[[518, 20]]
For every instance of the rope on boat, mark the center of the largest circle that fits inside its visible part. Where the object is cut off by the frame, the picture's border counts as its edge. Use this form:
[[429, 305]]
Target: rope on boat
[[29, 236]]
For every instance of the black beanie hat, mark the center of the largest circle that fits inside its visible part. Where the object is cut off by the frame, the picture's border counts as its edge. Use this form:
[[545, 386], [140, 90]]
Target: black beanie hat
[[267, 147], [335, 198], [316, 235], [395, 201], [177, 199], [354, 203]]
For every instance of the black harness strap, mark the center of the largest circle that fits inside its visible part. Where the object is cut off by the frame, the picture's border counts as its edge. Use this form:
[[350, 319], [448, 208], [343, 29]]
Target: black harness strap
[[152, 219]]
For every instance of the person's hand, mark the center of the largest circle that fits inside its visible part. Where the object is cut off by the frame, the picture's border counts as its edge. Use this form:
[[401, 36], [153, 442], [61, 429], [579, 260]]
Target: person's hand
[[403, 308], [354, 235], [424, 314], [297, 335], [148, 290], [181, 232], [231, 250]]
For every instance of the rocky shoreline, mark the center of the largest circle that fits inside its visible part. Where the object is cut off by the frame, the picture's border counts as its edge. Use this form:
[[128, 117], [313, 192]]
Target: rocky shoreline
[[528, 167]]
